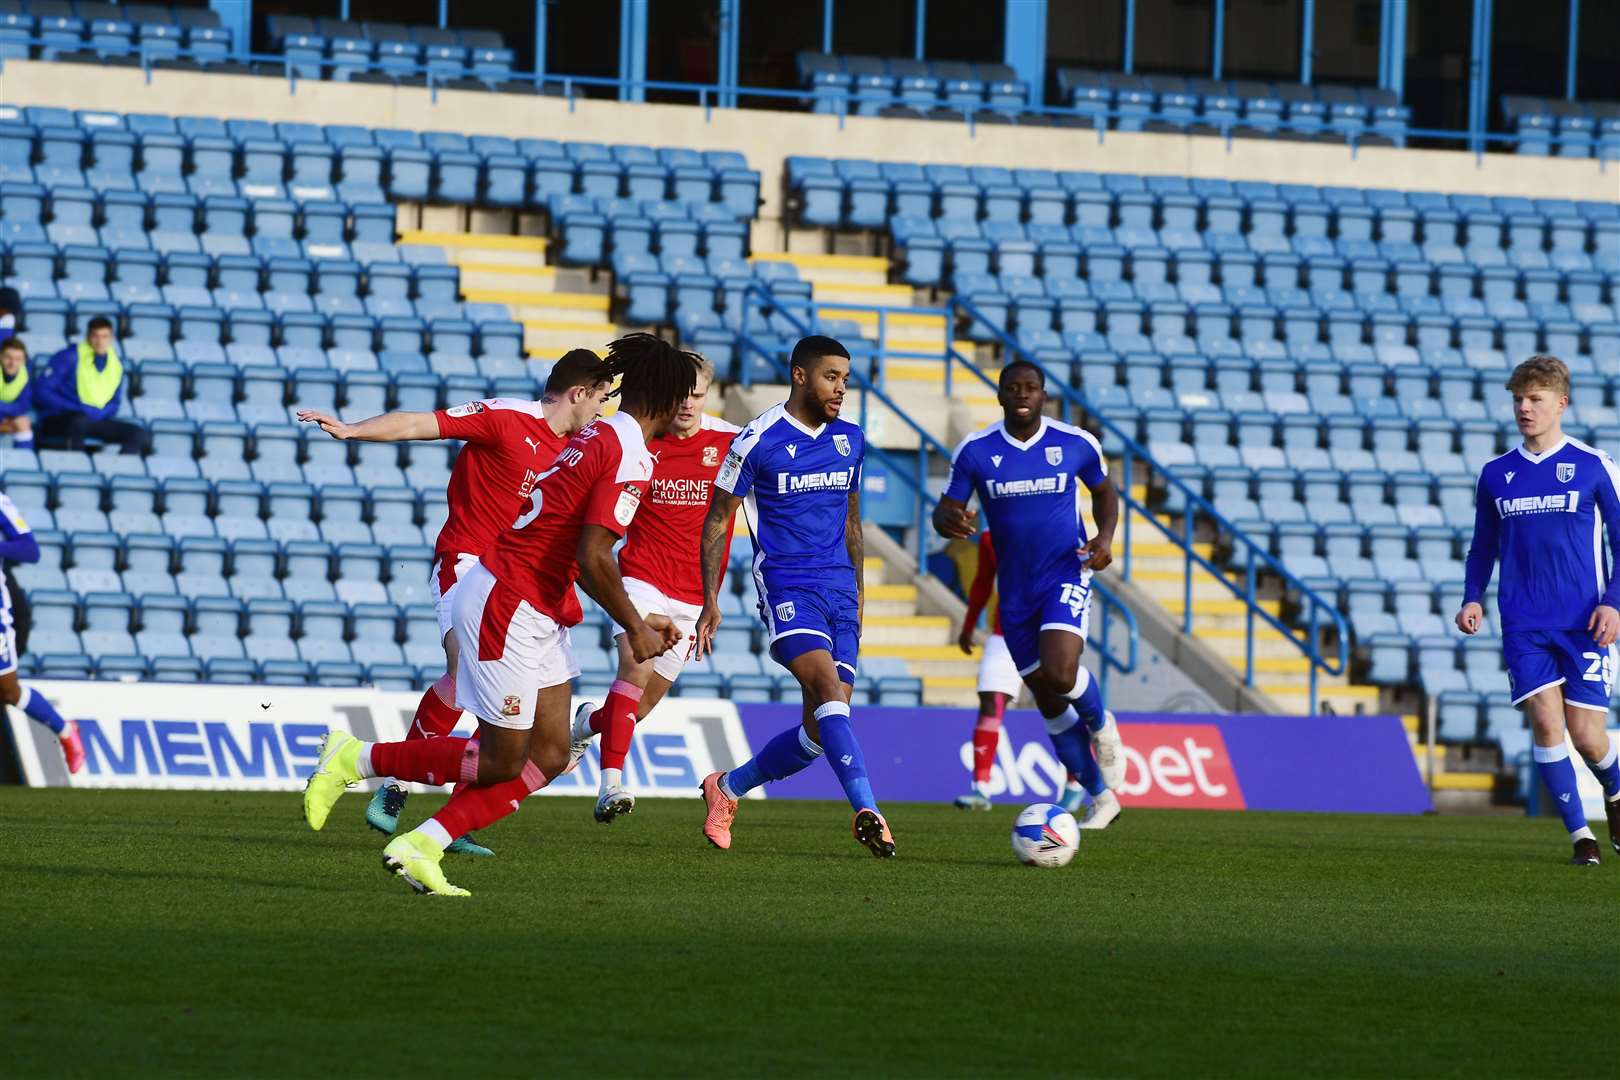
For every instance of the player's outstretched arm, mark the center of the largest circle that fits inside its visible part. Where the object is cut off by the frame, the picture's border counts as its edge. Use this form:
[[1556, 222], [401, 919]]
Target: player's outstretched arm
[[599, 573], [1099, 550], [953, 520], [389, 427], [716, 529]]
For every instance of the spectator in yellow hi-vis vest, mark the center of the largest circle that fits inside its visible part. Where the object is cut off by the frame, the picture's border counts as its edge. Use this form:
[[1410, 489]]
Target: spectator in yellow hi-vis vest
[[78, 393]]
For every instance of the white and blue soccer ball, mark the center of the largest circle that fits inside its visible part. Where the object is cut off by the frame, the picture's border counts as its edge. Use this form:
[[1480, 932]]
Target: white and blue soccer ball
[[1045, 835]]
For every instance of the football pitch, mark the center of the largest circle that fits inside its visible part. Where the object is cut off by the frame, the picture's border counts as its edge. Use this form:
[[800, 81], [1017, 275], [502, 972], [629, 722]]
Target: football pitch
[[203, 934]]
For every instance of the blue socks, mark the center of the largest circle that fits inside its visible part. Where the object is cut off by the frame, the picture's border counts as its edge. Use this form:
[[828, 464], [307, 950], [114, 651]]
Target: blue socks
[[37, 707], [844, 755], [792, 750], [1553, 763], [1072, 741], [783, 756], [1608, 772]]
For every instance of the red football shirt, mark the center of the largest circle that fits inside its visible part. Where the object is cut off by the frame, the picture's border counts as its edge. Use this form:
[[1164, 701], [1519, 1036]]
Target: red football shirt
[[599, 478], [509, 443], [665, 548]]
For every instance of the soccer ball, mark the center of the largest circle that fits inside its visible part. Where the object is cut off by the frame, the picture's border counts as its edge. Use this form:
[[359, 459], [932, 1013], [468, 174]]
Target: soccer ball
[[1045, 835]]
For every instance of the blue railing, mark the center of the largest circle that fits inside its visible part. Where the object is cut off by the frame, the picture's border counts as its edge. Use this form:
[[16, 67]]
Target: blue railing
[[708, 96], [915, 472], [1319, 614]]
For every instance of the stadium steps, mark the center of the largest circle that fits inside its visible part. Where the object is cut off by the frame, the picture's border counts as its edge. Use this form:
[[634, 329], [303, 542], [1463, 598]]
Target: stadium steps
[[512, 270], [897, 627], [1282, 672]]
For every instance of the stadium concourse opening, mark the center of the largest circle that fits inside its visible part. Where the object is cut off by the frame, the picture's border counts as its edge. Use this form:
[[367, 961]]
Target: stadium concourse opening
[[1099, 458]]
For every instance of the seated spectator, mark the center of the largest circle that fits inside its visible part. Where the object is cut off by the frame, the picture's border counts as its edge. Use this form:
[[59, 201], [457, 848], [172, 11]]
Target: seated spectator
[[77, 395], [16, 395], [10, 310]]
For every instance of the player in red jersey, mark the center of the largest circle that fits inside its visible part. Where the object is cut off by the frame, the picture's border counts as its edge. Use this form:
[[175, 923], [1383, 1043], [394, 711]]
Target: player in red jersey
[[507, 443], [509, 620], [662, 576], [999, 685]]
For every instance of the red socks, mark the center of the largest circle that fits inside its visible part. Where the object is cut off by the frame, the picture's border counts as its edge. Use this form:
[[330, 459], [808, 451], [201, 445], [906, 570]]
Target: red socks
[[436, 713], [615, 721], [478, 807], [427, 761], [986, 735]]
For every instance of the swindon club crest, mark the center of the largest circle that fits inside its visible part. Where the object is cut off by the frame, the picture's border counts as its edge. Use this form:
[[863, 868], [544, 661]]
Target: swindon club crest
[[841, 444], [1566, 471], [711, 456]]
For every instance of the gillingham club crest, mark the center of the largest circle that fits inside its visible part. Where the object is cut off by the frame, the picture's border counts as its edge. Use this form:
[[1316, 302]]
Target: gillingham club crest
[[1566, 471], [785, 612], [841, 444], [1054, 455]]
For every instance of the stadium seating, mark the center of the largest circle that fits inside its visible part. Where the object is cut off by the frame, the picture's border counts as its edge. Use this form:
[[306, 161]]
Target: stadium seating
[[1245, 108], [54, 30], [251, 270], [1564, 128], [339, 50], [992, 93], [1324, 363]]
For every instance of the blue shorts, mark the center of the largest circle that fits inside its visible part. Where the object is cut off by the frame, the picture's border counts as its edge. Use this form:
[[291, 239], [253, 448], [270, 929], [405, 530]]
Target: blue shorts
[[1539, 659], [801, 619], [1062, 605]]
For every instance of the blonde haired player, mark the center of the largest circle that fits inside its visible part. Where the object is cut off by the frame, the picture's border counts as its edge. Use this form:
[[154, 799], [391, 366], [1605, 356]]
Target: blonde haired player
[[1542, 509]]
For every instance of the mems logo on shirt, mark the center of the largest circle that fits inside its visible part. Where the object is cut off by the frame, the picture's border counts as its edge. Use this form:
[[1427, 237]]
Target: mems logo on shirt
[[1561, 502], [1041, 485], [837, 480]]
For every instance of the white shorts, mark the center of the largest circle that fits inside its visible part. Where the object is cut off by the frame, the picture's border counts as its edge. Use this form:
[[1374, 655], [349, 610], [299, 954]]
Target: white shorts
[[445, 577], [526, 652], [997, 672], [651, 600]]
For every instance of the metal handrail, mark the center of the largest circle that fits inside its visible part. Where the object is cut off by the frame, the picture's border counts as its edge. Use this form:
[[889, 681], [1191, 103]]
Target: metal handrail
[[1256, 558], [710, 95], [1111, 606]]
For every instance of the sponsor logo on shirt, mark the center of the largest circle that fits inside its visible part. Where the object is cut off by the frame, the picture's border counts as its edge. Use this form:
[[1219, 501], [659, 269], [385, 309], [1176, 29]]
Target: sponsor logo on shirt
[[837, 480], [1041, 485], [679, 491], [1560, 502], [471, 408]]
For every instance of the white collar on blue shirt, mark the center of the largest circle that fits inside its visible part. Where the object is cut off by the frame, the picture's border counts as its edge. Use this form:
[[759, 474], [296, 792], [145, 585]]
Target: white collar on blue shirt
[[1033, 439], [1537, 459]]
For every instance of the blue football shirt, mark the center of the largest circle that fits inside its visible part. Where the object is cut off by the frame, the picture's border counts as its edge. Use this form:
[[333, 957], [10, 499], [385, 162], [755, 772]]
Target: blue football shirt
[[795, 482], [1030, 495], [1543, 517]]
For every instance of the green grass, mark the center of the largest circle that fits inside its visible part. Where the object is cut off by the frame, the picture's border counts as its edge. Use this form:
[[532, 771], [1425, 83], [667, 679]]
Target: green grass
[[193, 934]]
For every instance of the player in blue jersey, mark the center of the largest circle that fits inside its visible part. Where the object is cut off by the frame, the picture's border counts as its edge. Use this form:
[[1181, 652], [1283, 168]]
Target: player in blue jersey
[[796, 473], [1026, 470], [1541, 510], [17, 544]]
